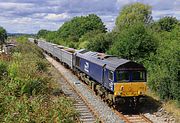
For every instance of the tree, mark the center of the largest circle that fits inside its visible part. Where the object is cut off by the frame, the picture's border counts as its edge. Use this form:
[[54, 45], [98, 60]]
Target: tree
[[164, 66], [42, 33], [100, 42], [135, 43], [3, 36], [71, 31], [167, 23], [164, 69], [132, 14], [86, 38], [78, 26]]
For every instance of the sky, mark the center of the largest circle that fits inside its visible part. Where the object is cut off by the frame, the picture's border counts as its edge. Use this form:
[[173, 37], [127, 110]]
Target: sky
[[29, 16]]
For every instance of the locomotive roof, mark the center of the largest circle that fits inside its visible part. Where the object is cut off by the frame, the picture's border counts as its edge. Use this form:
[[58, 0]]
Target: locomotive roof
[[111, 62], [114, 62]]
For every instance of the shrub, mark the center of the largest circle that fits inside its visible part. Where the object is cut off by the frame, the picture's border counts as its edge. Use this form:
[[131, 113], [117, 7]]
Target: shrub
[[33, 87]]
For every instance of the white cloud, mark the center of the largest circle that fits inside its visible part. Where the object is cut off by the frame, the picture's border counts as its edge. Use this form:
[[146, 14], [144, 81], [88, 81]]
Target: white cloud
[[10, 5], [57, 17], [162, 13], [38, 15], [24, 20]]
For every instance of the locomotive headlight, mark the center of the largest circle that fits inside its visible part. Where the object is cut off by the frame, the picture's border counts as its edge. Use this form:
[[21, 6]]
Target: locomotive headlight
[[140, 92], [117, 93]]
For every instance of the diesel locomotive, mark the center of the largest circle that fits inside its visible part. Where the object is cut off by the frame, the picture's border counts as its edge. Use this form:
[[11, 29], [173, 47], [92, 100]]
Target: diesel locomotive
[[115, 79]]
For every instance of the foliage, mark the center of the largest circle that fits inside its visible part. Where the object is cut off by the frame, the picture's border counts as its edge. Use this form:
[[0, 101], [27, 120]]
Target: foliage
[[164, 68], [26, 90], [3, 69], [78, 26], [3, 35], [42, 33], [99, 42], [135, 43], [70, 32], [30, 48], [167, 23], [133, 13], [41, 66], [51, 36]]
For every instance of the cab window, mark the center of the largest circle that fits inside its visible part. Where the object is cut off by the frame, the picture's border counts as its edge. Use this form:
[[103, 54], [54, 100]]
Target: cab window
[[122, 75], [110, 75], [138, 76], [125, 76]]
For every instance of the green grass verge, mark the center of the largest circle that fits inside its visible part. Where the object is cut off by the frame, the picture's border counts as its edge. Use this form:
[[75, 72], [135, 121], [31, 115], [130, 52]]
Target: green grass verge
[[27, 89]]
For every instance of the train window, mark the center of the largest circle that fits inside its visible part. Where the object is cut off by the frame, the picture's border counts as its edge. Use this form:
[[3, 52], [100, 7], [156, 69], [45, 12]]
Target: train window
[[110, 75], [78, 61], [124, 76], [138, 76]]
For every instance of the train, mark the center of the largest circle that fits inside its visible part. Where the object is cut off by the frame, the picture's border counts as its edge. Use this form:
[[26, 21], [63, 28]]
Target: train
[[116, 80]]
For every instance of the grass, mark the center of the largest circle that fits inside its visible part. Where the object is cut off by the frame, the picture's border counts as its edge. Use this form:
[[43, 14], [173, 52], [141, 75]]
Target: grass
[[29, 94], [172, 107]]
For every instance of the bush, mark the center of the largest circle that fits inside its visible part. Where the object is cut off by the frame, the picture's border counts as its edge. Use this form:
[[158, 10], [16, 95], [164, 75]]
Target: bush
[[33, 87]]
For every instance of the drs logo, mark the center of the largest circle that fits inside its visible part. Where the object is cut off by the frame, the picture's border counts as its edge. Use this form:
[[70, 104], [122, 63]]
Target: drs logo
[[86, 67]]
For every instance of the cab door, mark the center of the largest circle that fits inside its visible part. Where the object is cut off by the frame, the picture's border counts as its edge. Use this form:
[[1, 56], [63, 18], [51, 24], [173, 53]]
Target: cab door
[[109, 79]]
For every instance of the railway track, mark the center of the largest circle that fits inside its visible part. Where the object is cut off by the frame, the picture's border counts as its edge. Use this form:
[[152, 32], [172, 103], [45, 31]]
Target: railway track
[[139, 118], [85, 109], [87, 115]]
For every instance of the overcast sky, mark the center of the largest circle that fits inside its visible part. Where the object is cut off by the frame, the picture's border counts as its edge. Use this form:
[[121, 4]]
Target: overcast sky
[[29, 16]]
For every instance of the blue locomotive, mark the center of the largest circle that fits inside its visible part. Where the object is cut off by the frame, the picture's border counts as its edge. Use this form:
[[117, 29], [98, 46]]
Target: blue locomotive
[[115, 79]]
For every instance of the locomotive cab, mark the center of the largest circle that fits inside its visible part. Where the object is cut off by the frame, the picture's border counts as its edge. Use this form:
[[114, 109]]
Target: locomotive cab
[[130, 80], [130, 83]]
